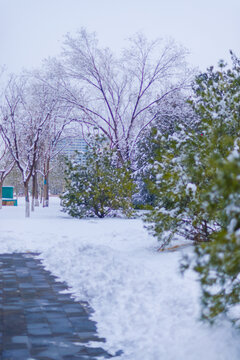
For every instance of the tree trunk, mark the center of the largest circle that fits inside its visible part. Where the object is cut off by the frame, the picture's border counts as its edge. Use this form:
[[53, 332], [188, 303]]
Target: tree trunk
[[1, 194], [45, 192], [41, 190], [27, 203], [33, 190], [36, 199], [45, 185]]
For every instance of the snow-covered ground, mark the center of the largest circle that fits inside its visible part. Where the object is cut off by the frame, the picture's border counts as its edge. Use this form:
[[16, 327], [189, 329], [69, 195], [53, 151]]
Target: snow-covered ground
[[143, 306]]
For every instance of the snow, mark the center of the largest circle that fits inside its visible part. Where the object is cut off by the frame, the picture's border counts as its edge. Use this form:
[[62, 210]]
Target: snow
[[192, 188], [142, 305], [233, 155]]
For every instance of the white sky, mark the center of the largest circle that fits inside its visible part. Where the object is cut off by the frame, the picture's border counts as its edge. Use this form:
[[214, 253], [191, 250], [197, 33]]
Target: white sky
[[31, 30]]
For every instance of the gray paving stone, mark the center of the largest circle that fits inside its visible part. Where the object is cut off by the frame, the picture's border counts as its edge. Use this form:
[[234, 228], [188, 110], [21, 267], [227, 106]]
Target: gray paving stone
[[49, 352], [16, 354], [39, 329], [20, 340]]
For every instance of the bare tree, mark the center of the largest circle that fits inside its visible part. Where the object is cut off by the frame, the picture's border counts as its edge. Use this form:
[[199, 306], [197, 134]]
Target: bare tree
[[115, 95], [22, 128], [60, 116]]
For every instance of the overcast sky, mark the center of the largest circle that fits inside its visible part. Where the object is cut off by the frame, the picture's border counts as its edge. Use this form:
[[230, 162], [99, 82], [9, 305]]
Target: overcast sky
[[31, 30]]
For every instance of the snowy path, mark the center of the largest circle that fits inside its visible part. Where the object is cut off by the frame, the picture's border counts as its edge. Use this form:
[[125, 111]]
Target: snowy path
[[142, 304], [37, 321]]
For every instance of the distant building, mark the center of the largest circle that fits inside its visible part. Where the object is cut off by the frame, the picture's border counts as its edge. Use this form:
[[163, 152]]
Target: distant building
[[68, 147]]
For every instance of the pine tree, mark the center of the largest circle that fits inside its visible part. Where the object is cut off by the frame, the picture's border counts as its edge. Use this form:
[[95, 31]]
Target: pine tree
[[169, 114], [98, 187], [180, 183], [186, 161], [198, 189], [218, 261]]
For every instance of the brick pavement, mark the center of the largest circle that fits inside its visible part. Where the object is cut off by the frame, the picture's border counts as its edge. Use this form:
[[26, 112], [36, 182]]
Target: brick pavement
[[36, 321]]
